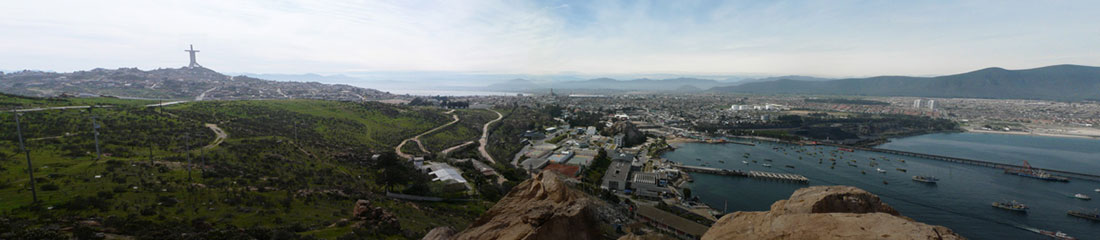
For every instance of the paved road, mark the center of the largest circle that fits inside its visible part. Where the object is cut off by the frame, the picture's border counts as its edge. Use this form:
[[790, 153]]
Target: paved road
[[484, 141]]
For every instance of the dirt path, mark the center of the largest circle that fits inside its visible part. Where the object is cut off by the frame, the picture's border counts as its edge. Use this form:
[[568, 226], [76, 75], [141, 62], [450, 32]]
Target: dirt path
[[484, 141], [417, 137], [220, 135]]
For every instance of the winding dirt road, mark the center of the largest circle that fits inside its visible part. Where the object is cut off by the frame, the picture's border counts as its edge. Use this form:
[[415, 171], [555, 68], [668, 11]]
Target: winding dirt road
[[484, 141], [417, 137]]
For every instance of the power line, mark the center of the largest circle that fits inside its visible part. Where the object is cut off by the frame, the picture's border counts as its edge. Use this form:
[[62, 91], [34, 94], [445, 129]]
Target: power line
[[23, 147]]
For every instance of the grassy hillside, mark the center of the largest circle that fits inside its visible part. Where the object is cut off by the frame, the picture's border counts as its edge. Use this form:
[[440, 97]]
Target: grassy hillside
[[289, 168], [467, 129]]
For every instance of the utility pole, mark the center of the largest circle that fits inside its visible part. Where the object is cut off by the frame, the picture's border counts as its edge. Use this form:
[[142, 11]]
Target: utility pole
[[23, 147]]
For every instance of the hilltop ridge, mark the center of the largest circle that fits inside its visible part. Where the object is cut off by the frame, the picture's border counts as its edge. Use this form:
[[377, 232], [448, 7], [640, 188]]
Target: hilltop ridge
[[197, 83]]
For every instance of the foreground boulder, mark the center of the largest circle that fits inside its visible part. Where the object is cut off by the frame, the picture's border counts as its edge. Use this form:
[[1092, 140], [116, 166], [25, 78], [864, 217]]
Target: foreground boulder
[[542, 207], [826, 212]]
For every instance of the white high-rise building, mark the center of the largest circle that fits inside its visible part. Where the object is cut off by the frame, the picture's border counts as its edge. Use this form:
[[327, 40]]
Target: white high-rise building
[[931, 104], [916, 103]]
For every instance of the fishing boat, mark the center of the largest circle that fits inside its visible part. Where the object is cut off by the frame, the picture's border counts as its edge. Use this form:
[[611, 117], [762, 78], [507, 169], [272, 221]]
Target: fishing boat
[[1082, 196], [880, 170], [1056, 235], [767, 165], [1090, 215], [901, 170], [926, 179], [1011, 206], [745, 162]]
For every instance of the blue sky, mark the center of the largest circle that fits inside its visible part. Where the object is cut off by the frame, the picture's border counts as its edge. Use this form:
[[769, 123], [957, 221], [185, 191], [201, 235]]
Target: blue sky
[[820, 38]]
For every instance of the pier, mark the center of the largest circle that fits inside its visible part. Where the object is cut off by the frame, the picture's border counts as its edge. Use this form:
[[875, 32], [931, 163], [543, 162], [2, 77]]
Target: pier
[[751, 174], [1082, 176]]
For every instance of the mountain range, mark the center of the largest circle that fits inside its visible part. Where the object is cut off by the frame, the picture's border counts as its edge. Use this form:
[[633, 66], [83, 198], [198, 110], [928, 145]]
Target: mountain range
[[174, 83], [1058, 82]]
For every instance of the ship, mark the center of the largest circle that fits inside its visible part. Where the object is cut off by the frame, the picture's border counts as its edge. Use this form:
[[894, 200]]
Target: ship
[[926, 179], [1011, 206], [1082, 196], [1030, 172], [1056, 235], [1090, 215]]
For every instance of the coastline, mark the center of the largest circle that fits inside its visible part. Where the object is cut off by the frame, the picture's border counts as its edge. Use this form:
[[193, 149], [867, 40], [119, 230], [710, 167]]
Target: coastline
[[1034, 133]]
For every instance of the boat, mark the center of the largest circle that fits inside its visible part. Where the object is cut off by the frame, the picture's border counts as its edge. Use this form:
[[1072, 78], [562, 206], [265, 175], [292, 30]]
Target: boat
[[1082, 196], [1090, 215], [901, 160], [880, 170], [901, 170], [926, 179], [862, 172], [790, 166], [1011, 206], [884, 182], [767, 165], [1056, 235], [846, 149], [1030, 172], [767, 160], [1097, 190], [722, 161], [745, 162]]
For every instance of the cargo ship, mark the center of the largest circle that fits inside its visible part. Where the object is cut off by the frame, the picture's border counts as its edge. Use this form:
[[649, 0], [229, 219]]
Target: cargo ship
[[926, 179], [1011, 206], [1030, 172], [1090, 215]]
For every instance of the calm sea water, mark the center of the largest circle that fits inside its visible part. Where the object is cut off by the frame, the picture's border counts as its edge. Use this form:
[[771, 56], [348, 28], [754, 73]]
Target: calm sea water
[[961, 200]]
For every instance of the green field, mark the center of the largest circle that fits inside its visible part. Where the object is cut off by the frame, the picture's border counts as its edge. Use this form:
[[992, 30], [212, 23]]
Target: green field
[[287, 168]]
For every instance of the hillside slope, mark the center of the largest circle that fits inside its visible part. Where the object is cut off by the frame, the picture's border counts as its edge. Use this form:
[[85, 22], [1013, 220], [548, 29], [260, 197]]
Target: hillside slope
[[1059, 82], [174, 83]]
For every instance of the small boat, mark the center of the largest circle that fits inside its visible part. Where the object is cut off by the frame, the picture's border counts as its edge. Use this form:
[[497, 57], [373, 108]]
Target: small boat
[[1056, 235], [722, 161], [1097, 190], [767, 160], [767, 165], [902, 160], [880, 170], [902, 170], [845, 149], [1090, 215], [1082, 196], [790, 166], [926, 179], [745, 162], [862, 172], [1011, 206], [884, 182]]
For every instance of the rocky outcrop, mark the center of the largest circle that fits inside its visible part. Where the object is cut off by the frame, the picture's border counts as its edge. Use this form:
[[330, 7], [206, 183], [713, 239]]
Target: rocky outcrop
[[374, 218], [542, 207], [440, 233], [826, 212], [631, 135]]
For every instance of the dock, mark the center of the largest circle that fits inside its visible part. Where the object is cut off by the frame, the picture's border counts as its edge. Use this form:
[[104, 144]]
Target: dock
[[752, 174], [1081, 176]]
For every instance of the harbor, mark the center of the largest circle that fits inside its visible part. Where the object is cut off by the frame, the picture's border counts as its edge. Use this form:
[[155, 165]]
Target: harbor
[[961, 199]]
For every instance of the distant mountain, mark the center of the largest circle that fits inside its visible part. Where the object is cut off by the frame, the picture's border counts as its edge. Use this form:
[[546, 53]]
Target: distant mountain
[[173, 83], [1059, 82], [661, 85], [790, 77]]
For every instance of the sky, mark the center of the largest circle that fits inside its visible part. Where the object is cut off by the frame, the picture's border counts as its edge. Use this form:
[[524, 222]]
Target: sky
[[817, 38]]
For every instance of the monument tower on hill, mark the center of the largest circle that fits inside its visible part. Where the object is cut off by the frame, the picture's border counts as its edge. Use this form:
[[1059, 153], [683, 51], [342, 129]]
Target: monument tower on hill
[[194, 64]]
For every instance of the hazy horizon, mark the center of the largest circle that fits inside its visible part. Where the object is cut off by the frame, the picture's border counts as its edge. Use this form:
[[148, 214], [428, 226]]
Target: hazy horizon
[[847, 39]]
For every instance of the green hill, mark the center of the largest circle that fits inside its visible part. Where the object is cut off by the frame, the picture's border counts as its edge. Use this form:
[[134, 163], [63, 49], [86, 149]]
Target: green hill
[[288, 168]]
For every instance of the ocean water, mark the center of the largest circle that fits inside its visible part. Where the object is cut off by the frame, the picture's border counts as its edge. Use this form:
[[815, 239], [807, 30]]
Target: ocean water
[[961, 200]]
